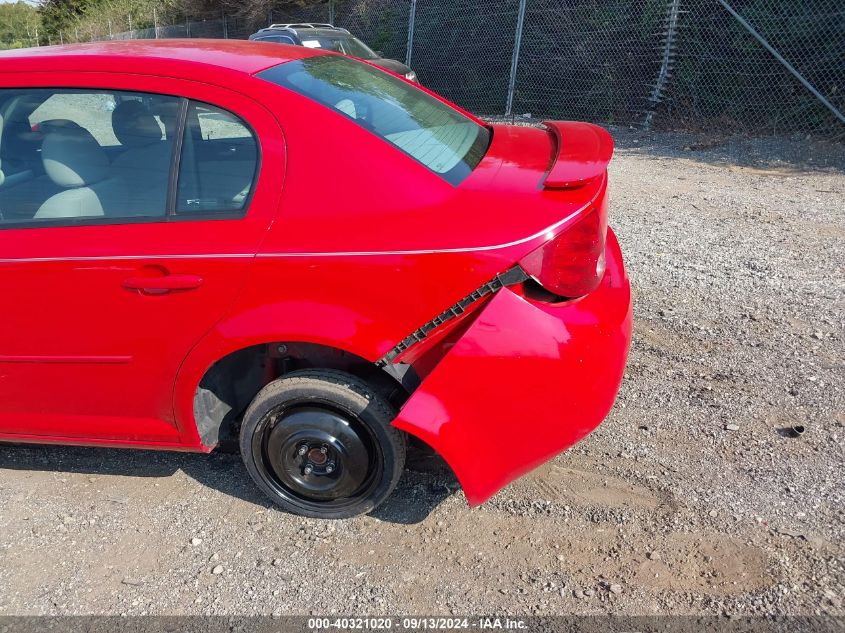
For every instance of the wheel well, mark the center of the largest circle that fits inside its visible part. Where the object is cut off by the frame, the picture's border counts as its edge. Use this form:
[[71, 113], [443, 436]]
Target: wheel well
[[232, 382]]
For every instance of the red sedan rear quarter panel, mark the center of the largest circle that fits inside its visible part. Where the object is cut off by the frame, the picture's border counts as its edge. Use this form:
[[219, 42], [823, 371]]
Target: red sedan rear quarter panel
[[368, 244]]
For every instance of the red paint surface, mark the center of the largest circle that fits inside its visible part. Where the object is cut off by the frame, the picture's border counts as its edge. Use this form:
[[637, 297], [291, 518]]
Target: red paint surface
[[66, 296], [583, 151], [347, 242], [526, 381]]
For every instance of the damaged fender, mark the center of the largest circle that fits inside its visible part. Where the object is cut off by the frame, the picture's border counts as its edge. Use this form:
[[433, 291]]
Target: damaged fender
[[527, 380]]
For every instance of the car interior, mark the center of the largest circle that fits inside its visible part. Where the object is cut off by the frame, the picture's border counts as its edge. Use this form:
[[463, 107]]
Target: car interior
[[84, 154]]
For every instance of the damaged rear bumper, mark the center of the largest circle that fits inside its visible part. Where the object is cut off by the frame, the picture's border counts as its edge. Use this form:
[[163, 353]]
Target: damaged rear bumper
[[526, 381]]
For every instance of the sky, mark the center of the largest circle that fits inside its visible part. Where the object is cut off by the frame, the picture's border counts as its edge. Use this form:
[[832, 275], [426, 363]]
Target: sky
[[27, 1]]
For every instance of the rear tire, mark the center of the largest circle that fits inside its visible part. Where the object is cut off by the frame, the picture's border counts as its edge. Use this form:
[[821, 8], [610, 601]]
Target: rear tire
[[319, 443]]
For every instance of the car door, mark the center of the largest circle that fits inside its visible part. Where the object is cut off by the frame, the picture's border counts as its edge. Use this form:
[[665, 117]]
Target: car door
[[123, 246]]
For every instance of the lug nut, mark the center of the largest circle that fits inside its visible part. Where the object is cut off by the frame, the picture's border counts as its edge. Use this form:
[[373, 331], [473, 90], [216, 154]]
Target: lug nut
[[324, 449], [302, 449], [329, 468], [309, 469]]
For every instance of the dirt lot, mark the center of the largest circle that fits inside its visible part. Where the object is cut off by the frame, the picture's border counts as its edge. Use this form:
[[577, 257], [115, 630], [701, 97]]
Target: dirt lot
[[691, 498]]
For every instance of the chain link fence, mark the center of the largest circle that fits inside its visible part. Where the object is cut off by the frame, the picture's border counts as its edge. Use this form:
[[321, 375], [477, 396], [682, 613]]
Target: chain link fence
[[723, 66]]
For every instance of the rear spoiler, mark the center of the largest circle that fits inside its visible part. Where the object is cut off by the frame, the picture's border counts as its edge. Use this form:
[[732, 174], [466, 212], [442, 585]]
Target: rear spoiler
[[581, 153]]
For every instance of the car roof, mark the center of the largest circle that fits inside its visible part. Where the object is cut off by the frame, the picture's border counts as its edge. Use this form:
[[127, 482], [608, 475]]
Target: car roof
[[183, 58]]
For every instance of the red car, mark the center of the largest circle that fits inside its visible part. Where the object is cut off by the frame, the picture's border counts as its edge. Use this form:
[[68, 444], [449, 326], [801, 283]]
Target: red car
[[200, 239]]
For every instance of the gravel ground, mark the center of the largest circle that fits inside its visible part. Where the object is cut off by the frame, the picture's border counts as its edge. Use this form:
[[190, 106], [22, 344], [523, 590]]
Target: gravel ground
[[691, 498]]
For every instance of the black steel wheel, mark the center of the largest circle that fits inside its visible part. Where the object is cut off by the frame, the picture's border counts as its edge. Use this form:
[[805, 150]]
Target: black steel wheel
[[319, 444]]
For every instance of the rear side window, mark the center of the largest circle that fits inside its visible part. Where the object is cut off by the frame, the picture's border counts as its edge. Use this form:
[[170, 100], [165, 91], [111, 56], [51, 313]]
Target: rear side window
[[219, 162], [447, 142]]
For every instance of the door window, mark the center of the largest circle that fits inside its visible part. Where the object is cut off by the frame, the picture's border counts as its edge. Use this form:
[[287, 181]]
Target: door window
[[73, 156]]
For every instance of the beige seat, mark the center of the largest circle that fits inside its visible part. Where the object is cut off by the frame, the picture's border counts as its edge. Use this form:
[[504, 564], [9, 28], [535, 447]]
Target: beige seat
[[75, 161], [145, 164], [21, 194]]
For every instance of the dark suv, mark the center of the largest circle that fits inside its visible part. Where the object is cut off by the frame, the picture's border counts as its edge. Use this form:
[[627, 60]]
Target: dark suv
[[332, 38]]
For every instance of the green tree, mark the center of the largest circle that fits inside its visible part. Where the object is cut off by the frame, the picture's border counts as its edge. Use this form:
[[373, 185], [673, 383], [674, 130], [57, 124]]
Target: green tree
[[20, 25]]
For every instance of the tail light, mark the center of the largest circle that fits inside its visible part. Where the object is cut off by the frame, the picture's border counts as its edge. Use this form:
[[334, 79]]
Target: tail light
[[572, 264]]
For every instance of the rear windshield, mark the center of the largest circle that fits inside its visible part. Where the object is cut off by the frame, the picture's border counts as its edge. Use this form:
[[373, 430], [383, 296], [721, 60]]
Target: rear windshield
[[345, 44], [447, 142]]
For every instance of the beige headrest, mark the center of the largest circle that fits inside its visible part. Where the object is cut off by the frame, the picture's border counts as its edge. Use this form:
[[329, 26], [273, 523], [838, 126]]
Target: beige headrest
[[134, 126], [73, 158]]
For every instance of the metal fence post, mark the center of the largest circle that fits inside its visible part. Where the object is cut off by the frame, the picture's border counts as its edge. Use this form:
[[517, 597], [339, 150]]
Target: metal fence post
[[225, 27], [517, 43], [783, 61], [187, 28], [155, 23], [665, 66], [331, 11], [409, 49]]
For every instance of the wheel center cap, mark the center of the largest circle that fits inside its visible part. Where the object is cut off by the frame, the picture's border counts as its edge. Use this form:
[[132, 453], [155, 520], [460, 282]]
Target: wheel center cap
[[318, 457]]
